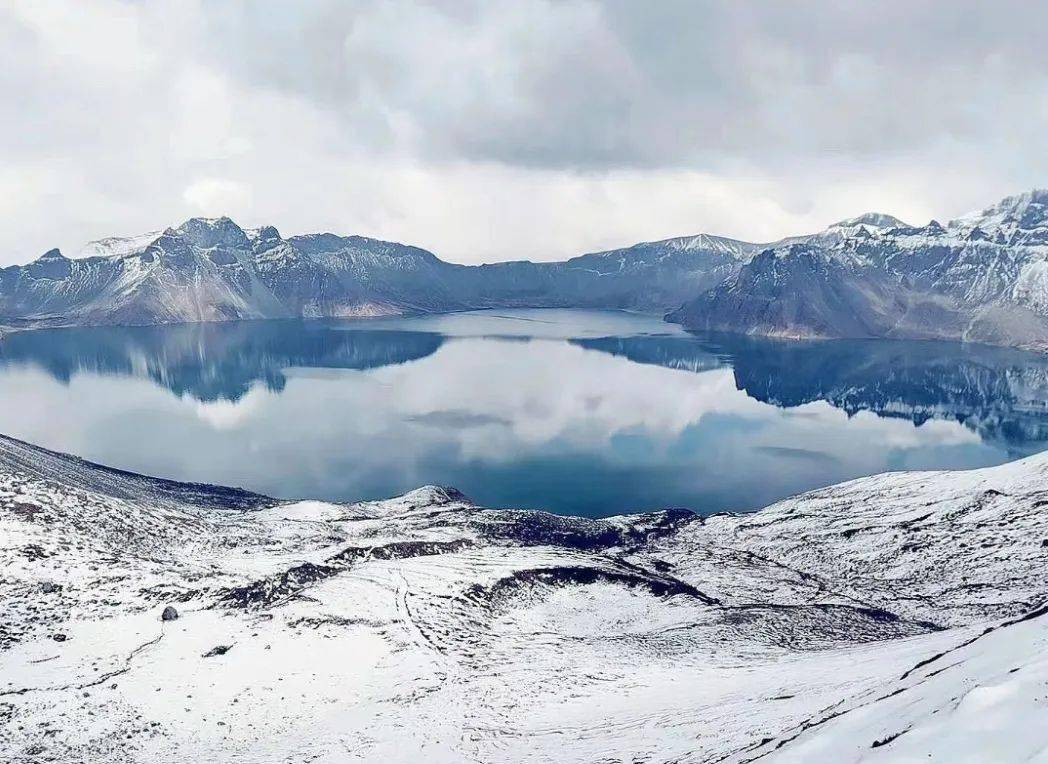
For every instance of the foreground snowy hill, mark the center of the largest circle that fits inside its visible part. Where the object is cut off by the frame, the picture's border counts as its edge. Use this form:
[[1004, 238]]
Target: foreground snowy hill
[[894, 618]]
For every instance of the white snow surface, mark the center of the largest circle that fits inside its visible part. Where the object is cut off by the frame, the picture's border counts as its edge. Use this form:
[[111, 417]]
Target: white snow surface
[[894, 618], [118, 246]]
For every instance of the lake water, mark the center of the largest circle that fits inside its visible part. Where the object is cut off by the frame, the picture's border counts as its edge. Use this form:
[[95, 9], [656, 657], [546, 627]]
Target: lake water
[[578, 412]]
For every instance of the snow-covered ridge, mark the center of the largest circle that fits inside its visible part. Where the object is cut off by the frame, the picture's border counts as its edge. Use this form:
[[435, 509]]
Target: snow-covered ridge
[[982, 277], [875, 219], [117, 246], [867, 621], [210, 269]]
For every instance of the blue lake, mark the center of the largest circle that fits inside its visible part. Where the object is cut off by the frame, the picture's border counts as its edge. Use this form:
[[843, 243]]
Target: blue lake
[[578, 412]]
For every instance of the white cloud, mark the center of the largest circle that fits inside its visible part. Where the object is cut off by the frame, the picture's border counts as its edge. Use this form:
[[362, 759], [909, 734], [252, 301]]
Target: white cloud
[[498, 130], [214, 197]]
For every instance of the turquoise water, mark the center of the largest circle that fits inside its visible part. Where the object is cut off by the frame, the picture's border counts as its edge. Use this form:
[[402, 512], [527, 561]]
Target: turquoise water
[[578, 412]]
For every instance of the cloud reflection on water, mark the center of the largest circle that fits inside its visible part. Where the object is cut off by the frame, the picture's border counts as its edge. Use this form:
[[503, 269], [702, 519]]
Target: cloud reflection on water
[[595, 426]]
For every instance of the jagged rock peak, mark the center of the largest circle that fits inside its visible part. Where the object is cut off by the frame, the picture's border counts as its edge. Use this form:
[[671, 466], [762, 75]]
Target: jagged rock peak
[[1025, 211], [212, 232], [1022, 202], [266, 233], [52, 254]]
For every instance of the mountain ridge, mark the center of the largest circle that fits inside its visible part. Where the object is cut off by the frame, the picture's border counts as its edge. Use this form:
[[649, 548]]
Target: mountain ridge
[[212, 269], [981, 277]]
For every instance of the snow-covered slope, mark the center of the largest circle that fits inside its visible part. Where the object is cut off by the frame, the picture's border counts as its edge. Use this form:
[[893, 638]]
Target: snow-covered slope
[[872, 620], [982, 277], [119, 245]]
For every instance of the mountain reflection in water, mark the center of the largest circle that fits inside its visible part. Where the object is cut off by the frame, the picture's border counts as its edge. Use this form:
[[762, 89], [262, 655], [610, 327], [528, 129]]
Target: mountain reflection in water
[[998, 392], [213, 361], [574, 411]]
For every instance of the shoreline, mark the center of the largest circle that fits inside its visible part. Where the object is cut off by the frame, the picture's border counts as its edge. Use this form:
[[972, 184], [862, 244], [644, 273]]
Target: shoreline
[[1039, 349]]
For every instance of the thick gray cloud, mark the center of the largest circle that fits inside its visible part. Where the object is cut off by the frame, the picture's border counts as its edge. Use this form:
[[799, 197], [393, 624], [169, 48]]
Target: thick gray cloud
[[502, 129]]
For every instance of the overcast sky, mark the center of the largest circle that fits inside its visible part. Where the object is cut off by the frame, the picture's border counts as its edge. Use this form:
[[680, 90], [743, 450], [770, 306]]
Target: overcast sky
[[511, 129]]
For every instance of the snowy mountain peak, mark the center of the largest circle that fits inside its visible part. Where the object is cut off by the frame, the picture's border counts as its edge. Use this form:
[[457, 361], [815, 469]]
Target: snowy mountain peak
[[52, 266], [1020, 204], [266, 233], [312, 243], [705, 241], [875, 219], [1024, 212], [212, 232]]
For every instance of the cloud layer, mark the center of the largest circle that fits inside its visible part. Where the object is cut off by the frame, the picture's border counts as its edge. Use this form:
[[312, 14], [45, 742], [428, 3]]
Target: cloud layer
[[511, 128]]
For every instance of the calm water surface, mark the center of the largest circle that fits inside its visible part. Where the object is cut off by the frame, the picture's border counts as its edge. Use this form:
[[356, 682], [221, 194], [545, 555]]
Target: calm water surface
[[574, 411]]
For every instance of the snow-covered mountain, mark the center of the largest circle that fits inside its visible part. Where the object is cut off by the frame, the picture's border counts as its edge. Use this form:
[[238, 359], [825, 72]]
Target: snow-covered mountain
[[982, 277], [895, 618], [213, 270]]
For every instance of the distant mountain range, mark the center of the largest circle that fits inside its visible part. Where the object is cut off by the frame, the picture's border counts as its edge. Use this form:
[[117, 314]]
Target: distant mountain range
[[213, 270], [982, 277]]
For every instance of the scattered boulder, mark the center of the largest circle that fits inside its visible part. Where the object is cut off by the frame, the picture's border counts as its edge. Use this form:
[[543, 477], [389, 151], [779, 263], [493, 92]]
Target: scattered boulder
[[169, 614], [217, 650], [49, 587], [59, 637]]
